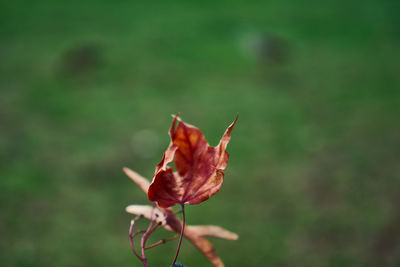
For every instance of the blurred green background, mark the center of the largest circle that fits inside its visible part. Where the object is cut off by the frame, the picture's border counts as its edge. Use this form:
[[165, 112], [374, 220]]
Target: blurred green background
[[87, 87]]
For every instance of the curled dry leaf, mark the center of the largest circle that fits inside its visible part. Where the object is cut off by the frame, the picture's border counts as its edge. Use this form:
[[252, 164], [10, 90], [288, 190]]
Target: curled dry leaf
[[214, 231], [195, 234], [200, 230], [142, 182], [148, 212], [199, 167]]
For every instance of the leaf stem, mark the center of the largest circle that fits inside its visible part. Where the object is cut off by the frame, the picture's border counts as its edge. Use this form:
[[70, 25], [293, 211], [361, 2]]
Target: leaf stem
[[131, 238], [181, 236], [162, 241], [149, 230]]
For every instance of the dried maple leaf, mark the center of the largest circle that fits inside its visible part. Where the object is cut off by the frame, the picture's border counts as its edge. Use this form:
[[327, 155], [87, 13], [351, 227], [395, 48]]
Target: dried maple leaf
[[199, 167], [194, 233]]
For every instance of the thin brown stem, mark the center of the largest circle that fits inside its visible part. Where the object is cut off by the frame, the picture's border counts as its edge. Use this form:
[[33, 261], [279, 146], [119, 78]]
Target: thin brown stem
[[138, 233], [155, 227], [131, 239], [162, 241], [149, 230], [181, 236]]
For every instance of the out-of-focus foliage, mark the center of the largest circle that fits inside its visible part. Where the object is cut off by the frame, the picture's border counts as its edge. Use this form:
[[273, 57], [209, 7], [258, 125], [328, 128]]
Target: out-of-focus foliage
[[87, 87]]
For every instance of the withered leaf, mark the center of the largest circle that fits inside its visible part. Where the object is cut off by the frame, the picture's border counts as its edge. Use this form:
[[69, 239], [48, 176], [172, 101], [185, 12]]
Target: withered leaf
[[214, 231], [163, 216], [142, 182], [149, 212], [199, 167]]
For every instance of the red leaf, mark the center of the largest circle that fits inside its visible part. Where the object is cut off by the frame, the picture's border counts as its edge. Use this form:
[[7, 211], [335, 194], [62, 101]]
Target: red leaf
[[199, 167]]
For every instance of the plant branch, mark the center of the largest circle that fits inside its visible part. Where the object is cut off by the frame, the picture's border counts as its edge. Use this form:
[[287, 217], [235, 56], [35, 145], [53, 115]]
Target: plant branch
[[131, 239], [149, 230], [181, 236], [162, 241]]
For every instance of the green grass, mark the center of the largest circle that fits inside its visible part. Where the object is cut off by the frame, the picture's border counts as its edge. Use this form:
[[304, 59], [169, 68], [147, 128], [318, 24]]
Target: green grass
[[313, 178]]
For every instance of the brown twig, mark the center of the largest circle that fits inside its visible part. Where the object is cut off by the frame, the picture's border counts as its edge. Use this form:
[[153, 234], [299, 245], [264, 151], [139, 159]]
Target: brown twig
[[131, 239], [162, 241], [181, 236], [146, 235]]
